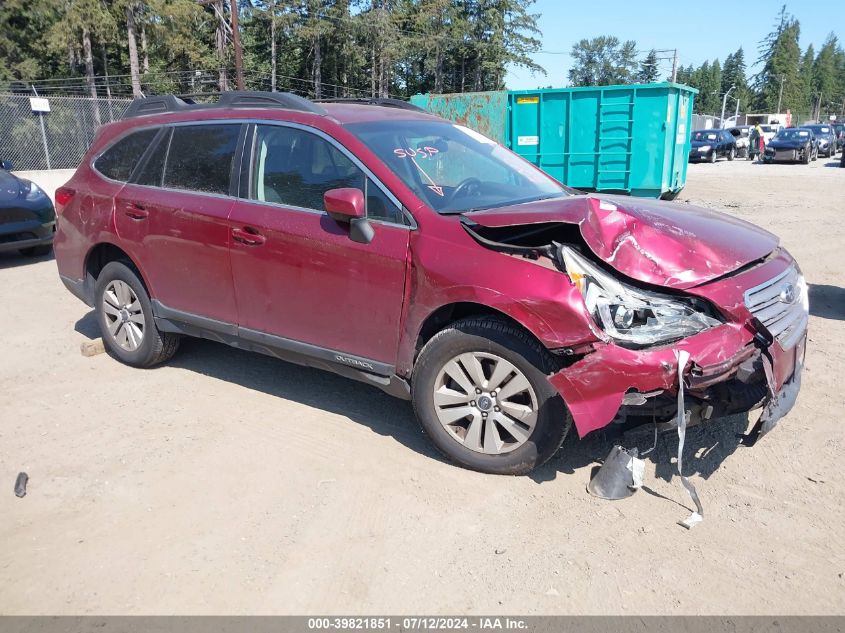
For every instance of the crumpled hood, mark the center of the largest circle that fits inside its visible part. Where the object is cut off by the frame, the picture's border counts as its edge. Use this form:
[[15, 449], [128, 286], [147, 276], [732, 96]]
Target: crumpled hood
[[660, 243]]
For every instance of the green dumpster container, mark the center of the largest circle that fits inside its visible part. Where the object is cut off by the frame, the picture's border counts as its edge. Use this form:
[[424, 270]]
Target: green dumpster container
[[631, 139]]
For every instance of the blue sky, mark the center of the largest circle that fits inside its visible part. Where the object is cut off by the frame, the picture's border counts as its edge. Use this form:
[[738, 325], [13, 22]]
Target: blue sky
[[700, 31]]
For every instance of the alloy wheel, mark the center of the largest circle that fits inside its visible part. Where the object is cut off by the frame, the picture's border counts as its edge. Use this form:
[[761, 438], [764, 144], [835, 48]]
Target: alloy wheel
[[485, 403], [124, 316]]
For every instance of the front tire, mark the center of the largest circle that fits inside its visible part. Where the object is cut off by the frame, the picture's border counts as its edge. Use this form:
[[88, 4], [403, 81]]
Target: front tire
[[126, 320], [481, 393], [731, 153], [711, 157]]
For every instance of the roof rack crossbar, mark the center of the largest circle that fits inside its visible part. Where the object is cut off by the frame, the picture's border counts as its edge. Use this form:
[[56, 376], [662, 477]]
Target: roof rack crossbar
[[231, 99], [376, 101]]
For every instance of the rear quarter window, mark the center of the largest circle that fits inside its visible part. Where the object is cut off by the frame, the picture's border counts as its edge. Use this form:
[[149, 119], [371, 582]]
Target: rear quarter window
[[118, 161], [200, 157]]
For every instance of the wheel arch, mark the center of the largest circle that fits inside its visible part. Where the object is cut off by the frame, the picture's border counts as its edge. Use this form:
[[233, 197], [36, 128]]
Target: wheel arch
[[455, 311], [104, 253]]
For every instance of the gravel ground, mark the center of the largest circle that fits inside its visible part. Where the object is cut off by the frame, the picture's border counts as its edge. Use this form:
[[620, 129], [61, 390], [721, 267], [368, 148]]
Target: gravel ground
[[227, 482]]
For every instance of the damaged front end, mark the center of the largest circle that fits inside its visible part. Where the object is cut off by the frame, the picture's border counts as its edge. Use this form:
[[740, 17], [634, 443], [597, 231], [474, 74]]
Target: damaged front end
[[742, 327]]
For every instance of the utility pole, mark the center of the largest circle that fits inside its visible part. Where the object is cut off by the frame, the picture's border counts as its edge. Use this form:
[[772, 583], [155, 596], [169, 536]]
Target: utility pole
[[236, 43], [675, 66], [724, 103]]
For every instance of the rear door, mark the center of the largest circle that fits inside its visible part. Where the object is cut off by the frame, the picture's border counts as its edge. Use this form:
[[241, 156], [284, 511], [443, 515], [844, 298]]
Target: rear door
[[173, 215], [297, 274]]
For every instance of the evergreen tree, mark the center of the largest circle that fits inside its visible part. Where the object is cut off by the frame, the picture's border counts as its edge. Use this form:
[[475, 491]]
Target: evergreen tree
[[648, 68], [779, 83]]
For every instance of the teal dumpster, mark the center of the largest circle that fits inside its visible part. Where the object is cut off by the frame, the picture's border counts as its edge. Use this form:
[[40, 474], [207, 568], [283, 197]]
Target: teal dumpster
[[631, 139]]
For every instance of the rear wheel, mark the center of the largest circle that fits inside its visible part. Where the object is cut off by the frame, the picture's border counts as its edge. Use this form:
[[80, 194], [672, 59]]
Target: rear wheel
[[126, 319], [481, 393]]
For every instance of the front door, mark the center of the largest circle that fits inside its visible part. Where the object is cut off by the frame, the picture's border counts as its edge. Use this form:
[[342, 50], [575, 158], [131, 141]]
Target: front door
[[297, 275]]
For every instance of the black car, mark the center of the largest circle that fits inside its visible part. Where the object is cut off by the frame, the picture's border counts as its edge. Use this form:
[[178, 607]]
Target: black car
[[839, 130], [791, 145], [825, 138], [27, 216], [710, 144]]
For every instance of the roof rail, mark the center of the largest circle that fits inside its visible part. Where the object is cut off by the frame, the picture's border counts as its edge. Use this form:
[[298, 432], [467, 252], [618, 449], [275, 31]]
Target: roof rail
[[376, 101], [230, 99]]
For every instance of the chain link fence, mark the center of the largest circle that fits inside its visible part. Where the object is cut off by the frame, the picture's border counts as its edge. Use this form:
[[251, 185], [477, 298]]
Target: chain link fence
[[57, 139]]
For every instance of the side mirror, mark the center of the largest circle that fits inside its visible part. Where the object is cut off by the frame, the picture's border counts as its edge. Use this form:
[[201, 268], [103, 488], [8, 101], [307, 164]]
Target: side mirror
[[5, 164], [347, 206]]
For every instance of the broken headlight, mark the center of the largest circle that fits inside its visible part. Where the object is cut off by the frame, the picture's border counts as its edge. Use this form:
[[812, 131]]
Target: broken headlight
[[630, 315]]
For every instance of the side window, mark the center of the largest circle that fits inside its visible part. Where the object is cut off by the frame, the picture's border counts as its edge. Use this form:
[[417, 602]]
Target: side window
[[153, 170], [295, 167], [200, 157], [380, 207], [118, 161]]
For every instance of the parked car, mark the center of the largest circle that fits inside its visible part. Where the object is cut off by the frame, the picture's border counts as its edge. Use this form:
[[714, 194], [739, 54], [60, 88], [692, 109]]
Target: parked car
[[825, 138], [839, 130], [402, 250], [27, 217], [741, 134], [793, 144], [710, 144]]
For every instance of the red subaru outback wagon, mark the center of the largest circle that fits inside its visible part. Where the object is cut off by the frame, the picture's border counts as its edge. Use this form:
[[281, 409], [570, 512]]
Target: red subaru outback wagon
[[391, 246]]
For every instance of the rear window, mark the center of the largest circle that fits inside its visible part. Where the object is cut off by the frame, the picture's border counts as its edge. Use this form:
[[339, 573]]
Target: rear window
[[118, 161], [200, 157]]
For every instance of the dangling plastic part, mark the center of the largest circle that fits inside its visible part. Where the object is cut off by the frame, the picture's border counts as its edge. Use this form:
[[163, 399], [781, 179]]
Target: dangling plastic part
[[620, 475], [683, 418]]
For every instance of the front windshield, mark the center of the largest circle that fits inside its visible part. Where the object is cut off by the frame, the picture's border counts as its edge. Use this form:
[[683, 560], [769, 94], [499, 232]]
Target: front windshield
[[704, 136], [819, 129], [793, 134], [453, 168]]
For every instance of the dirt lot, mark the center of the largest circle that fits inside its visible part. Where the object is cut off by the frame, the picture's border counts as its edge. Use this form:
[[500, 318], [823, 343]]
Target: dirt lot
[[227, 482]]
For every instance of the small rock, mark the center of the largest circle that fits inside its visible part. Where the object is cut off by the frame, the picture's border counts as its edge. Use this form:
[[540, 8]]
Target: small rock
[[92, 348], [552, 592], [500, 551]]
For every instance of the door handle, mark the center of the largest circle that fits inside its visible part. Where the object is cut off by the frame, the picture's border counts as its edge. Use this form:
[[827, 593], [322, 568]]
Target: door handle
[[136, 211], [248, 236]]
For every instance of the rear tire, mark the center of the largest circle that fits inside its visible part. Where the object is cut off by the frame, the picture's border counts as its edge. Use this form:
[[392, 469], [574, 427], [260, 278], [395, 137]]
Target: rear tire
[[506, 430], [126, 319], [36, 251]]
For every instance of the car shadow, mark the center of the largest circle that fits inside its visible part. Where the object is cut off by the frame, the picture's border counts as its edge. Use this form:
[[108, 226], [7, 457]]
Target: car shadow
[[827, 302], [833, 163], [359, 402], [705, 448], [12, 259]]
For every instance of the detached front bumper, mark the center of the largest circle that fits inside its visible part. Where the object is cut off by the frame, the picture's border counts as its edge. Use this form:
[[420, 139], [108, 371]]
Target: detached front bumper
[[735, 367], [727, 374]]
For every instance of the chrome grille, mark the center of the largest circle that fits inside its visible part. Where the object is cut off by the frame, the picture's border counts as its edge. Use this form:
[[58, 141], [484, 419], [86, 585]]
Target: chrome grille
[[780, 305]]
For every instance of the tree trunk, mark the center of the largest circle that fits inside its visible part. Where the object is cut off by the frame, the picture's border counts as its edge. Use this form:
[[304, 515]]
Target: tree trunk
[[273, 46], [220, 42], [71, 57], [134, 71], [145, 58], [317, 72], [89, 72], [438, 70], [373, 71]]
